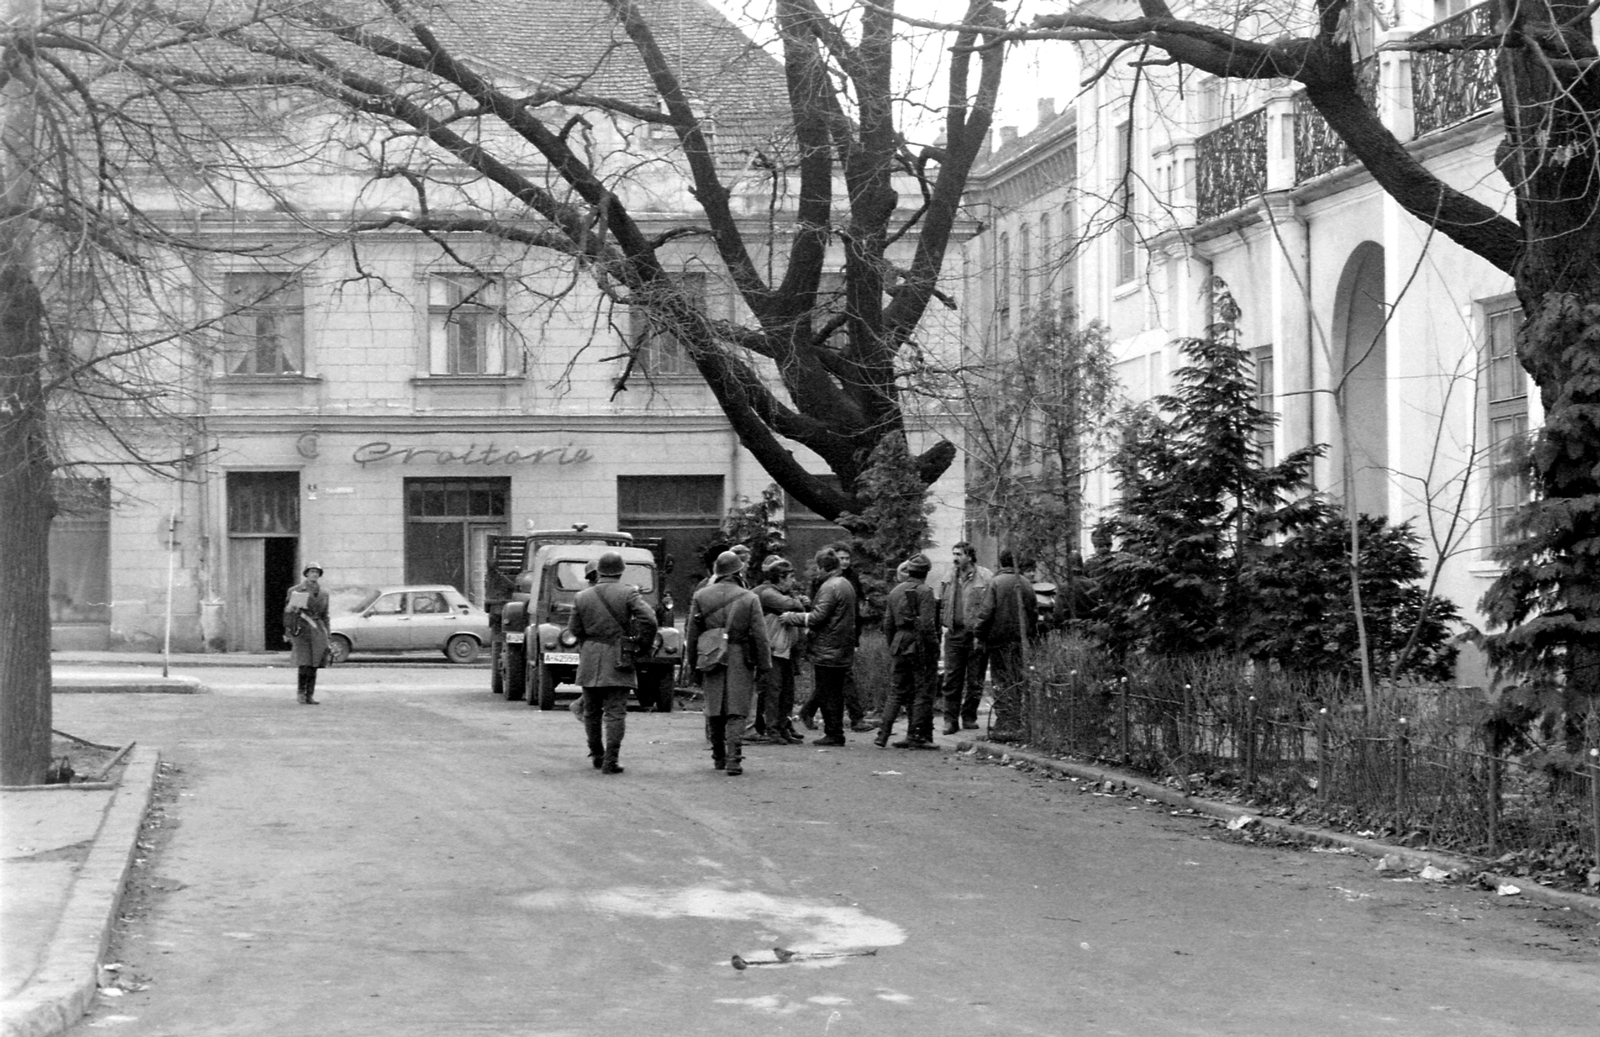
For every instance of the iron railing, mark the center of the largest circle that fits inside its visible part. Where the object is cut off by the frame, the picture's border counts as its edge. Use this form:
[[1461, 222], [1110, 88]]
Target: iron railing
[[1317, 148], [1231, 165], [1448, 87]]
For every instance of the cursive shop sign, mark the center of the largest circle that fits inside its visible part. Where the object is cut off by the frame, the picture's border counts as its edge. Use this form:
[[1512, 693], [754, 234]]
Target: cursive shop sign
[[382, 451]]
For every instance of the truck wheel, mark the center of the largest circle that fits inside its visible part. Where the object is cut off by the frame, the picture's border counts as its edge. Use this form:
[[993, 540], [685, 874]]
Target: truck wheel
[[655, 688], [497, 684], [547, 688], [516, 672]]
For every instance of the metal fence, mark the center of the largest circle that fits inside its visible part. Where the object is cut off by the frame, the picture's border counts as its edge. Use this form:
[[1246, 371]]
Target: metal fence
[[1417, 764]]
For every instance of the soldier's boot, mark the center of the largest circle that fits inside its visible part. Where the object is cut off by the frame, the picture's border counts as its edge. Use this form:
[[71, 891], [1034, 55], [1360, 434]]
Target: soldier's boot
[[591, 730], [734, 744], [613, 734]]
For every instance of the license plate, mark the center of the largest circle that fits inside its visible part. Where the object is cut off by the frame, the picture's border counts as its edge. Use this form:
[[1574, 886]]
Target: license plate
[[514, 639], [561, 658]]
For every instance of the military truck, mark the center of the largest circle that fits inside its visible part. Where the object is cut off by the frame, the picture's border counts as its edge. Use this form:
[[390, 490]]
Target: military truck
[[530, 586]]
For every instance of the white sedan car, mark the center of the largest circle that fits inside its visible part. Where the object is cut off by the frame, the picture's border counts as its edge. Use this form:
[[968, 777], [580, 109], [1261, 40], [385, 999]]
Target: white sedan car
[[411, 619]]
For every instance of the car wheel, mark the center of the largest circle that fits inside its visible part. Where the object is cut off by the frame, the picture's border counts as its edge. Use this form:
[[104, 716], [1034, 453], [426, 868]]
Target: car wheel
[[547, 688], [516, 674], [339, 648], [462, 649]]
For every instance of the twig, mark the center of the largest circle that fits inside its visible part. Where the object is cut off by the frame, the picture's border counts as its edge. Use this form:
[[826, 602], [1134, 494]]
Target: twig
[[83, 741], [100, 775]]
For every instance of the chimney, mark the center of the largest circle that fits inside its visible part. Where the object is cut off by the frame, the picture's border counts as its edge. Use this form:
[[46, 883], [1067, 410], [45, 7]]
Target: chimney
[[1008, 135], [1047, 109]]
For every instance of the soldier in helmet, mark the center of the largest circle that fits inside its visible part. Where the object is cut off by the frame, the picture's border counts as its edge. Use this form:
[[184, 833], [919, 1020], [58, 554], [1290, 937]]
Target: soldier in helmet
[[305, 625], [605, 618]]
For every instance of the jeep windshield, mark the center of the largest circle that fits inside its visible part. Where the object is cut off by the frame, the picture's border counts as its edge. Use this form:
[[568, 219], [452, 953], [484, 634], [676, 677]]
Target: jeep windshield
[[568, 580]]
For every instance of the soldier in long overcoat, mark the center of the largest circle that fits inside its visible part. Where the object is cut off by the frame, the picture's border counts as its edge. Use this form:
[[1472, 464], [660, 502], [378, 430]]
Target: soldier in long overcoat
[[305, 624], [603, 618], [911, 621], [731, 689]]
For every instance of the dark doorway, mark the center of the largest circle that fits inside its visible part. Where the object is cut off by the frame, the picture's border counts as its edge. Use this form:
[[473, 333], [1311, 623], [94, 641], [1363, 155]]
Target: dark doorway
[[684, 512], [278, 564], [446, 525]]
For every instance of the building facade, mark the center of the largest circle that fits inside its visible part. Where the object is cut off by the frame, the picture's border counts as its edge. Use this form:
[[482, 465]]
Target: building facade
[[381, 404], [1370, 333]]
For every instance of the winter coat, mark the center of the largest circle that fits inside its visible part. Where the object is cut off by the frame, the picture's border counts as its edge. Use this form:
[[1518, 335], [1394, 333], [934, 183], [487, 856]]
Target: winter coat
[[598, 614], [1009, 611], [972, 587], [783, 640], [307, 628], [910, 619], [732, 689], [830, 625]]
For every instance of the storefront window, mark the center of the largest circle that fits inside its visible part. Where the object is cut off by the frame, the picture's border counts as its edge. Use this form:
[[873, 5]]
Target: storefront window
[[684, 512], [447, 525], [80, 552]]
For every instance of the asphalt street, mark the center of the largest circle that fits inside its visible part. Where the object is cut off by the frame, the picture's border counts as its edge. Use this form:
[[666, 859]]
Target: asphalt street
[[418, 857]]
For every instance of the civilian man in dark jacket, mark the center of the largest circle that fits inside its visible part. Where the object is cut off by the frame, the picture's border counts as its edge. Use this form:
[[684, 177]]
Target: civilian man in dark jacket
[[911, 622], [831, 626], [603, 617], [1008, 620]]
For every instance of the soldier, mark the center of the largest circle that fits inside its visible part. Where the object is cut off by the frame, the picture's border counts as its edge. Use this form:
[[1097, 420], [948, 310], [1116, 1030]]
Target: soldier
[[1008, 621], [910, 620], [727, 619], [608, 619], [305, 624]]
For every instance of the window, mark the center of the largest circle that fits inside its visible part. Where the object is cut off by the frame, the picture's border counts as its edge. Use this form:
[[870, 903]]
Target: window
[[1266, 403], [389, 605], [1046, 260], [662, 353], [1024, 273], [448, 522], [264, 327], [1002, 285], [429, 603], [1069, 241], [466, 326], [683, 512], [1127, 237], [1506, 397], [263, 503]]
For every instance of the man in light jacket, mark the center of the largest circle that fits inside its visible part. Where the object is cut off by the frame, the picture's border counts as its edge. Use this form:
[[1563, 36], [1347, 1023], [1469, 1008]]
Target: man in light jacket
[[831, 630], [603, 618], [731, 687]]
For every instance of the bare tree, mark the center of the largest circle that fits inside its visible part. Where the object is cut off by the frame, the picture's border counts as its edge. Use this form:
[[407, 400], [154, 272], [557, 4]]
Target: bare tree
[[518, 154]]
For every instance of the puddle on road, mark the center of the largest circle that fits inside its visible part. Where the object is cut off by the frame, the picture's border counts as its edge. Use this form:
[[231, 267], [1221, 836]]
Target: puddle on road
[[806, 926]]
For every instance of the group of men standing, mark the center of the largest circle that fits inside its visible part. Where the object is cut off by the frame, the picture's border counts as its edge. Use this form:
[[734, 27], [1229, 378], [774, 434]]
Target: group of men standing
[[742, 646]]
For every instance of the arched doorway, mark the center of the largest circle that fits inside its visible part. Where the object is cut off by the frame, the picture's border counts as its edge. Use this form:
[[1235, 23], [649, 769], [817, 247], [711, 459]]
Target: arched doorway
[[1361, 368]]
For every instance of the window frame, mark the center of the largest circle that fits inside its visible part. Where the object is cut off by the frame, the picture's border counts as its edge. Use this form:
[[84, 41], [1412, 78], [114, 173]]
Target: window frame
[[445, 326], [282, 307], [658, 351], [1505, 416]]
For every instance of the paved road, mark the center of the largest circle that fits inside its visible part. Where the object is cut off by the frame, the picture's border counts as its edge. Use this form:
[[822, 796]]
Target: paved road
[[416, 857]]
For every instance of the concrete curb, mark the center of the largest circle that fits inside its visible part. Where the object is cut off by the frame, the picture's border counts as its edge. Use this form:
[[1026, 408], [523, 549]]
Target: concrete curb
[[113, 685], [64, 986], [1415, 859]]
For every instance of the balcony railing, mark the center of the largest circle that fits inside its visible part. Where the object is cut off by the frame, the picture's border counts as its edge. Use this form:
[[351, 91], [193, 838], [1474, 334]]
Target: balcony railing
[[1448, 87], [1232, 166], [1317, 148]]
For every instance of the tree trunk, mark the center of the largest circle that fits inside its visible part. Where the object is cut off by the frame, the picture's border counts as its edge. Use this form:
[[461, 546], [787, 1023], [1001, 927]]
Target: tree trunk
[[26, 506]]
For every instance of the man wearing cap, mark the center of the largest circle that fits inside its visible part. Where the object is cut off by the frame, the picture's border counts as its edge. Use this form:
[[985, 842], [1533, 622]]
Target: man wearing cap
[[305, 625], [777, 596], [831, 643], [604, 617], [911, 623], [730, 687]]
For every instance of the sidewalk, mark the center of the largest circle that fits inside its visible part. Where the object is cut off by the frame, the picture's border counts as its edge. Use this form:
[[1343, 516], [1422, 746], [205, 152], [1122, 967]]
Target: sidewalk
[[68, 851]]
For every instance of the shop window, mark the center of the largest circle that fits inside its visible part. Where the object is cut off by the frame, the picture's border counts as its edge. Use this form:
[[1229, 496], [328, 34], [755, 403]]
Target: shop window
[[684, 512], [447, 525], [466, 326], [1506, 402], [264, 327], [80, 552]]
